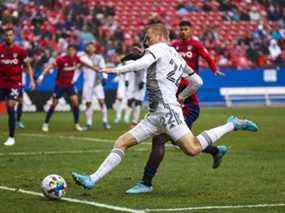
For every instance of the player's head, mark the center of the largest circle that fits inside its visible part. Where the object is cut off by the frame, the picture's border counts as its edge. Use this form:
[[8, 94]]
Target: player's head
[[71, 50], [156, 33], [90, 48], [9, 36], [184, 30]]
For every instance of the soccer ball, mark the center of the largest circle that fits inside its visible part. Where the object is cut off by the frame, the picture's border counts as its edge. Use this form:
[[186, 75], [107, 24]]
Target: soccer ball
[[54, 187]]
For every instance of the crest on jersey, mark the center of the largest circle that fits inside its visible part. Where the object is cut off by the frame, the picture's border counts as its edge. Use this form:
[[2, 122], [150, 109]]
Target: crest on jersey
[[189, 48], [65, 64], [15, 55], [2, 55]]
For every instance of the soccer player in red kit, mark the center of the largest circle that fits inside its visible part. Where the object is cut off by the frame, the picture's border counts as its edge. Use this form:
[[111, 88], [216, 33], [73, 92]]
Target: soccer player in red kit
[[13, 58], [66, 66], [190, 49]]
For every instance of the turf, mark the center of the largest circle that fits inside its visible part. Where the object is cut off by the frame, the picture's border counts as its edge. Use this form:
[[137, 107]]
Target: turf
[[253, 172]]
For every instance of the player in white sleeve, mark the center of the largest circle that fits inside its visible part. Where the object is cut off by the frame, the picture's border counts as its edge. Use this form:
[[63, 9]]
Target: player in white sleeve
[[164, 69], [93, 84], [136, 95], [121, 97]]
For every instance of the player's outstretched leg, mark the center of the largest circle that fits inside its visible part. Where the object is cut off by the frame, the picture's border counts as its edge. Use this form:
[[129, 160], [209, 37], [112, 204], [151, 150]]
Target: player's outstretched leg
[[154, 160], [194, 145], [111, 161]]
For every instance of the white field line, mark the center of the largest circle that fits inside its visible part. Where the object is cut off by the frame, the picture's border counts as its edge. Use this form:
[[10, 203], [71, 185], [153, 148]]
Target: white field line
[[59, 152], [217, 207], [78, 138], [73, 200]]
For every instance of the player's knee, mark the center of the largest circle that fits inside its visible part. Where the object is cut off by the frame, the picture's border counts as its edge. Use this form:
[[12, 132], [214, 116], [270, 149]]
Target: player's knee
[[124, 141]]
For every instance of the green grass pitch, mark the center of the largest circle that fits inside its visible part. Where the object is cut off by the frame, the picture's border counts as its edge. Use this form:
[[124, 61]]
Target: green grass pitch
[[253, 172]]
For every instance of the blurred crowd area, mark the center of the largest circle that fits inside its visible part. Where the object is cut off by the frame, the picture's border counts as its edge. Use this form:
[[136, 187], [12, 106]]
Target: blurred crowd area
[[239, 33]]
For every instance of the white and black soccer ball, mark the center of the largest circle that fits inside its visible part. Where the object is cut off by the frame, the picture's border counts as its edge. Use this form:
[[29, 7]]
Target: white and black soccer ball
[[54, 187]]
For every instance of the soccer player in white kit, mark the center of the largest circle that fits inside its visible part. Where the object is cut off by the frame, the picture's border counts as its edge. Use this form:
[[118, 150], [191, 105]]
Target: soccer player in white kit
[[164, 69], [135, 94], [93, 84]]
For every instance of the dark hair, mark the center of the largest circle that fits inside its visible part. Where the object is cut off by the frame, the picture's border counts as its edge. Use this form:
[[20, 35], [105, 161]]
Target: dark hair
[[9, 29], [185, 24], [72, 46]]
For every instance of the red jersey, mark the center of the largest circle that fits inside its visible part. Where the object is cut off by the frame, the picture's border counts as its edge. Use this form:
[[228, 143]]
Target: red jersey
[[191, 50], [12, 61], [66, 66]]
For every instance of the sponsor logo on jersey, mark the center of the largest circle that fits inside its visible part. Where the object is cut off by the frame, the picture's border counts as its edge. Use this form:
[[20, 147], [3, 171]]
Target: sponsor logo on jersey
[[10, 61], [187, 54]]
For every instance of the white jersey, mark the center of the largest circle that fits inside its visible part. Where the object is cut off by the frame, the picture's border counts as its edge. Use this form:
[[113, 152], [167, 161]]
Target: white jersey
[[91, 78], [135, 80], [163, 75]]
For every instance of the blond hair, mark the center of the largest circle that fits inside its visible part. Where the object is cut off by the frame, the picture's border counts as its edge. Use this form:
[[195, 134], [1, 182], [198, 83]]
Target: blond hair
[[158, 29]]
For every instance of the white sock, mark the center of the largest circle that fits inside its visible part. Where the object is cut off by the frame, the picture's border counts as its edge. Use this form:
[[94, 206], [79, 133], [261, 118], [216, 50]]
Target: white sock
[[209, 137], [104, 113], [128, 112], [112, 160], [89, 115], [119, 110], [136, 114]]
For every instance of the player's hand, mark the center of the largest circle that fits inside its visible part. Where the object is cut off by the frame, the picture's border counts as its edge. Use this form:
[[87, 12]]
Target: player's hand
[[180, 99], [141, 85], [219, 73], [109, 70], [40, 79], [32, 85]]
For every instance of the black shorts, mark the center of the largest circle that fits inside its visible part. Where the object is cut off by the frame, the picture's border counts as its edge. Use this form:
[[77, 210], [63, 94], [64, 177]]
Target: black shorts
[[60, 91], [10, 94]]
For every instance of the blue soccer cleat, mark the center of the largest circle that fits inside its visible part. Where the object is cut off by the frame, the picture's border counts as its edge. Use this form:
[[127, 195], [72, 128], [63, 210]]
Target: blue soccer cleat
[[242, 124], [83, 180], [19, 125], [218, 158], [139, 188]]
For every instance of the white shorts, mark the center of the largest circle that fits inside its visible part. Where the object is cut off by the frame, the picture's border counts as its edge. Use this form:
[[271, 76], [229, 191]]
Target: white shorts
[[88, 90], [165, 119], [139, 94], [121, 91], [99, 91]]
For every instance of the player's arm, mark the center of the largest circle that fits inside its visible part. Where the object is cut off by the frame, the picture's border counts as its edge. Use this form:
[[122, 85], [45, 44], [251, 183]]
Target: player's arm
[[88, 63], [203, 52], [195, 82], [45, 71], [30, 74], [137, 65]]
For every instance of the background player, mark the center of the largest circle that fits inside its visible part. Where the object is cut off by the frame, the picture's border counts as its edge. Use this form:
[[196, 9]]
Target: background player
[[190, 49], [165, 114], [66, 66], [93, 84], [12, 61]]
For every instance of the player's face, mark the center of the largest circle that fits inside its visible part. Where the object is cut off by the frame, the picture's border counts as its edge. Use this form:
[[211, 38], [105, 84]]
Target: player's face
[[71, 51], [185, 32], [90, 49], [9, 37], [151, 38]]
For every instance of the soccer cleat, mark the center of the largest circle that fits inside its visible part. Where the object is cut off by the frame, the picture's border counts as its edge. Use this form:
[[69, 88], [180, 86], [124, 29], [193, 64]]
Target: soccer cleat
[[20, 125], [9, 142], [45, 127], [83, 180], [117, 120], [242, 124], [140, 188], [219, 156], [106, 125], [79, 128], [87, 127]]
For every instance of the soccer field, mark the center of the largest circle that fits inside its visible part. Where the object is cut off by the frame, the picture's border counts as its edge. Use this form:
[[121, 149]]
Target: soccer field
[[252, 173]]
